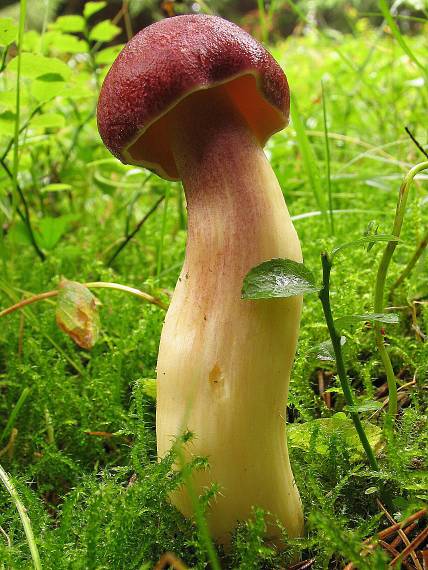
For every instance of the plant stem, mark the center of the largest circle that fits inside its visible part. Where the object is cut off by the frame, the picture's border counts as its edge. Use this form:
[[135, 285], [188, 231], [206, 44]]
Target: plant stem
[[95, 285], [411, 264], [380, 285], [22, 16], [324, 296], [25, 217], [126, 289], [26, 523], [137, 228], [327, 158]]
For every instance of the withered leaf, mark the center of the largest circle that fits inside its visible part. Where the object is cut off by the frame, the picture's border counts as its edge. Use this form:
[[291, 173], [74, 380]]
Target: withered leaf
[[77, 313]]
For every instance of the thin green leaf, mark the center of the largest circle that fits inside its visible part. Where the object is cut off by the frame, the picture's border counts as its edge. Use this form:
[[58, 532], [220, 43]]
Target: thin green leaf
[[346, 320], [397, 34], [308, 156], [278, 278], [57, 187], [363, 241]]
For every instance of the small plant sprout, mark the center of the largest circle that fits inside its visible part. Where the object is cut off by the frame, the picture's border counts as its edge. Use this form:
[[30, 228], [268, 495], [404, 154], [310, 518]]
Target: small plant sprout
[[195, 98]]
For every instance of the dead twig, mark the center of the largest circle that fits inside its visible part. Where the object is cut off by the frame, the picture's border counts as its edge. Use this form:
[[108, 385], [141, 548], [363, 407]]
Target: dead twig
[[411, 548], [402, 535]]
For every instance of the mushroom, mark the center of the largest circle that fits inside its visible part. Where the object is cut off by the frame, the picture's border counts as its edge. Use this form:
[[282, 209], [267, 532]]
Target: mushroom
[[195, 98]]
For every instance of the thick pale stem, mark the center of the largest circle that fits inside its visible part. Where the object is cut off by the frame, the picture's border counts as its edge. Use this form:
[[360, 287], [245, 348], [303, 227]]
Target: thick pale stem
[[224, 363]]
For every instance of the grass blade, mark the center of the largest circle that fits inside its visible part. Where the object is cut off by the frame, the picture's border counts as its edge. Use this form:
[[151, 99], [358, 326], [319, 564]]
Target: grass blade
[[308, 156], [395, 30], [327, 159], [26, 523]]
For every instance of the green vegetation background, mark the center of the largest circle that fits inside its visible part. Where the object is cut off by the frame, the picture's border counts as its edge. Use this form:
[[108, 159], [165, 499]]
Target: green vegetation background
[[100, 502]]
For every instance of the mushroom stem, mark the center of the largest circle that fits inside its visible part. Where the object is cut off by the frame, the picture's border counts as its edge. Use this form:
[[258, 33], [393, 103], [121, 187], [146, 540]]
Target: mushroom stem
[[224, 364]]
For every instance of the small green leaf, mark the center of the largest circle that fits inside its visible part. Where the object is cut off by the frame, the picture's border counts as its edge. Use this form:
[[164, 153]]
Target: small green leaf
[[8, 31], [278, 278], [105, 31], [371, 490], [387, 318], [69, 23], [363, 241], [63, 43], [92, 8], [325, 351], [77, 313], [48, 121], [338, 426], [33, 65]]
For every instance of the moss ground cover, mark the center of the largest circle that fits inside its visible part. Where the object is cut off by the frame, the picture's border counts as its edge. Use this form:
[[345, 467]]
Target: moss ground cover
[[77, 427]]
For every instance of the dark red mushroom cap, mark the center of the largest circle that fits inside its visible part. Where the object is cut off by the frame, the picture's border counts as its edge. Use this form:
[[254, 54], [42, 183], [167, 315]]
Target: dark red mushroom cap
[[168, 61]]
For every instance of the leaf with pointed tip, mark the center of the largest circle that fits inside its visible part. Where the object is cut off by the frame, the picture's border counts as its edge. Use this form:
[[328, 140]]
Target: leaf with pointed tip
[[104, 31], [325, 351], [278, 278], [92, 8]]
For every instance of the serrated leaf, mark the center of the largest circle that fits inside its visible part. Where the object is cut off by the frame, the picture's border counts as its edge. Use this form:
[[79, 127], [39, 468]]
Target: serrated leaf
[[364, 240], [346, 320], [8, 31], [338, 426], [278, 278], [69, 23], [325, 351], [77, 313], [104, 31], [33, 66], [92, 8], [48, 121]]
